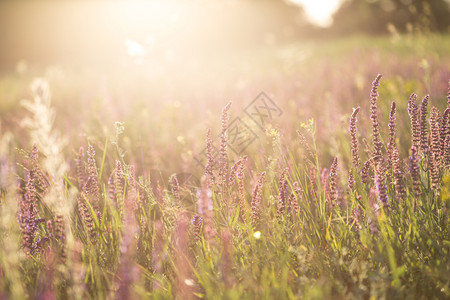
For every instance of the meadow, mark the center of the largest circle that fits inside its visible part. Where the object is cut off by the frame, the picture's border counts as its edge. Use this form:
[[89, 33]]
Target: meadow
[[293, 172]]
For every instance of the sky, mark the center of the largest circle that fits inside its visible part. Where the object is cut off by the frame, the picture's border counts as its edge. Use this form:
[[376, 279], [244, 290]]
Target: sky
[[319, 11]]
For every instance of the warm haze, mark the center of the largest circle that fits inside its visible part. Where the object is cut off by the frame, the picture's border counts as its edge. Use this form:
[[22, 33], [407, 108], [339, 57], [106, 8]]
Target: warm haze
[[235, 149]]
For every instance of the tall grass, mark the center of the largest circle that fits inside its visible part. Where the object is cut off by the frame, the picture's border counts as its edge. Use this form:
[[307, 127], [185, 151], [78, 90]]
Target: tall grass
[[370, 223]]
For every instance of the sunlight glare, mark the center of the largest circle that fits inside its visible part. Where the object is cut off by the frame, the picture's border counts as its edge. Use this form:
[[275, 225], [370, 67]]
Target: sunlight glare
[[320, 11]]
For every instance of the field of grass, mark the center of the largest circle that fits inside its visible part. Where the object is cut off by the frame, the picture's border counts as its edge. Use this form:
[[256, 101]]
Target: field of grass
[[320, 179]]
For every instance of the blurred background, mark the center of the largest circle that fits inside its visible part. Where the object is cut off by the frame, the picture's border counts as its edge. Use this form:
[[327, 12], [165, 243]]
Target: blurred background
[[98, 33], [166, 68]]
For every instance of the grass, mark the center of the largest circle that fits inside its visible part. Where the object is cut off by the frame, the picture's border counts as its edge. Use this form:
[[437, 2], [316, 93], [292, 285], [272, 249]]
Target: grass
[[101, 198]]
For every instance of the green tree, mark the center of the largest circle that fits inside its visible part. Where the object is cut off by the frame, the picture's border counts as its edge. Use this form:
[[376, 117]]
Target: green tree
[[374, 16]]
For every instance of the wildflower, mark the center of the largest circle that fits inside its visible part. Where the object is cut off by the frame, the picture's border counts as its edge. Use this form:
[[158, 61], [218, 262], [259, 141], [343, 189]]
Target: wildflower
[[423, 124], [256, 200], [435, 127], [380, 183], [119, 183], [41, 179], [223, 158], [354, 140], [333, 183], [257, 235], [176, 191], [444, 130], [356, 212], [414, 117], [391, 142], [313, 181], [447, 151], [282, 195], [350, 182], [91, 187], [296, 194], [233, 173], [373, 116], [92, 171], [28, 211], [86, 217], [60, 235], [81, 172], [112, 188], [197, 225], [435, 150], [324, 182], [365, 172], [209, 153], [241, 188], [448, 94], [415, 171], [398, 176]]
